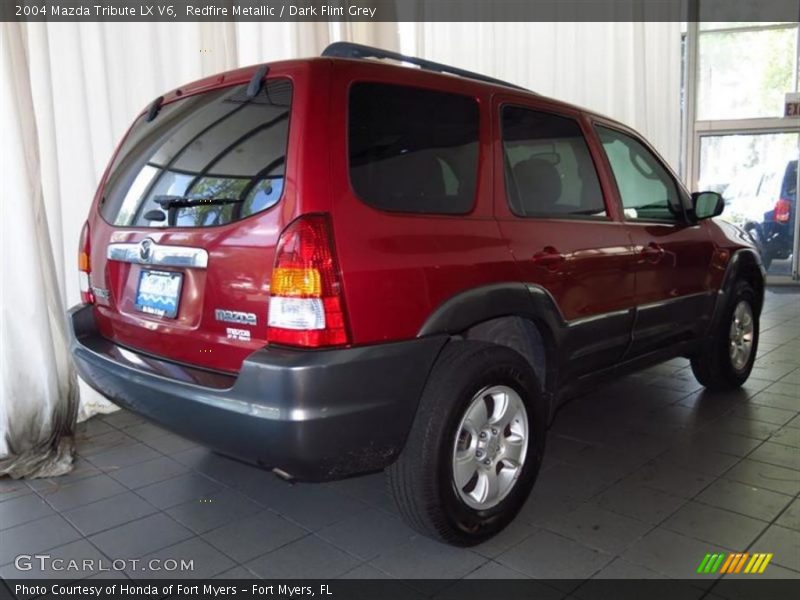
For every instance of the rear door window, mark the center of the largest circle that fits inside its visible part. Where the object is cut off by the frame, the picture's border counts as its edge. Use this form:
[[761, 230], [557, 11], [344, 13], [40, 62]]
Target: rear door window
[[206, 160], [549, 169], [413, 150]]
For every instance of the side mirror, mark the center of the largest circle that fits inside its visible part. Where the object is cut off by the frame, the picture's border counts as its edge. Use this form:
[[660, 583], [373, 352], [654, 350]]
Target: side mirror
[[707, 205]]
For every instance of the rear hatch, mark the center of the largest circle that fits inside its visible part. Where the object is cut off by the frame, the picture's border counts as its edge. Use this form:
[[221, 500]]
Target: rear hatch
[[190, 215]]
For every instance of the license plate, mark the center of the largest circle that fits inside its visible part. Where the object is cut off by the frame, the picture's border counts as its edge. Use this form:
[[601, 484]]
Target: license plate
[[159, 293]]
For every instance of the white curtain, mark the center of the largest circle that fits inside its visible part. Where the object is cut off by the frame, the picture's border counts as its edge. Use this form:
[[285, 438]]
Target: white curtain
[[627, 71], [70, 90]]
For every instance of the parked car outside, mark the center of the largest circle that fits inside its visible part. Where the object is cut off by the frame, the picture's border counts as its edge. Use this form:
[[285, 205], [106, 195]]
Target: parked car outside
[[764, 203]]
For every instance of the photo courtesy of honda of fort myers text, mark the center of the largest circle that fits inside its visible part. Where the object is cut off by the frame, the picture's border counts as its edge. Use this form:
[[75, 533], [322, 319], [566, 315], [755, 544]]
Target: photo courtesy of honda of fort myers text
[[284, 239]]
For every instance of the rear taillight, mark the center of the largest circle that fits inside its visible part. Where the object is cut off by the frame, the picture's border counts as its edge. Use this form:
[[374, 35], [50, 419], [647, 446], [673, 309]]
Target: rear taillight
[[84, 265], [783, 210], [306, 306]]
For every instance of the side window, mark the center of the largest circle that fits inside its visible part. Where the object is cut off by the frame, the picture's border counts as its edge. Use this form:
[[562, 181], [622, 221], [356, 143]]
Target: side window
[[412, 149], [549, 170], [647, 190]]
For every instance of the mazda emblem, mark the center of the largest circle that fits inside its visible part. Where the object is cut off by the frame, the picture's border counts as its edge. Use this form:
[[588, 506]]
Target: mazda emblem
[[145, 250]]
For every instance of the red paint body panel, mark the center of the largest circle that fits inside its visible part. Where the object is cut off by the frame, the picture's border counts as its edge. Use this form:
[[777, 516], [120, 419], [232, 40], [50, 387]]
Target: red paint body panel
[[396, 268]]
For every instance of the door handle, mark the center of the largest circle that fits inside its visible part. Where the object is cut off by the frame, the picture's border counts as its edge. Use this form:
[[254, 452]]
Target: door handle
[[549, 258], [652, 253]]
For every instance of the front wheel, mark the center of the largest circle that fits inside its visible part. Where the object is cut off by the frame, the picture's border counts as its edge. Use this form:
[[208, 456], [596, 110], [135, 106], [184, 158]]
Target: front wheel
[[727, 362], [475, 447]]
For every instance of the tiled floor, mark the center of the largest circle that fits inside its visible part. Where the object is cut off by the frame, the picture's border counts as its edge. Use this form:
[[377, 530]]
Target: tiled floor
[[641, 479]]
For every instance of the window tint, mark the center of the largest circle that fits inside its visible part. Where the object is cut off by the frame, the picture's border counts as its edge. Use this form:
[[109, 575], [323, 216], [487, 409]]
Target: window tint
[[549, 171], [413, 150], [206, 160], [647, 190]]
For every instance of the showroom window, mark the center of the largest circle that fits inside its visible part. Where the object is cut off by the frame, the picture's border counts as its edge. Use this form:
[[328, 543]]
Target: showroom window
[[740, 141]]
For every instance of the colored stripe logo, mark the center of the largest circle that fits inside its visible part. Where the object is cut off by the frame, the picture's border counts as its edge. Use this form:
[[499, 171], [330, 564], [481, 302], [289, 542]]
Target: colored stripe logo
[[736, 562]]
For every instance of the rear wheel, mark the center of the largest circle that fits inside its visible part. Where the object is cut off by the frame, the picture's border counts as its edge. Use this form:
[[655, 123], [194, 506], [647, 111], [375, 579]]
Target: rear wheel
[[727, 362], [475, 447]]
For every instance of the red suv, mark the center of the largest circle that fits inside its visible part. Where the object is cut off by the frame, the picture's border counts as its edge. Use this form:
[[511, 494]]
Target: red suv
[[333, 266]]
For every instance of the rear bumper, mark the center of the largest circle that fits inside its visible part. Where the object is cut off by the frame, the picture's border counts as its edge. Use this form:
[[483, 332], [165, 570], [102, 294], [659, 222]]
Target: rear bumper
[[316, 415]]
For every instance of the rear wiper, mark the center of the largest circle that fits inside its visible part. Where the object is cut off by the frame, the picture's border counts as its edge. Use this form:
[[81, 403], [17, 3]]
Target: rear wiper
[[167, 202]]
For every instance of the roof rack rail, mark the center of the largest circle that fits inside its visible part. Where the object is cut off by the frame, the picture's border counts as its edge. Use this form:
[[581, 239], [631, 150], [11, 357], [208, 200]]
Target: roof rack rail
[[351, 50]]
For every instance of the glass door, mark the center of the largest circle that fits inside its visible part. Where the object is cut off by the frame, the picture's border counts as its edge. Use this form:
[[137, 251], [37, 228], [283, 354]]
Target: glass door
[[757, 175]]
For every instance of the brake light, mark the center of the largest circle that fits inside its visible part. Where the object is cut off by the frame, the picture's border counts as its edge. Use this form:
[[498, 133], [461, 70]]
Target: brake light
[[306, 306], [84, 265], [783, 210]]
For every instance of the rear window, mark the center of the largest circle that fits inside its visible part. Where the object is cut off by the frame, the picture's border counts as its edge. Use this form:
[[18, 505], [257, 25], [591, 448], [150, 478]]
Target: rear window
[[206, 160], [413, 150]]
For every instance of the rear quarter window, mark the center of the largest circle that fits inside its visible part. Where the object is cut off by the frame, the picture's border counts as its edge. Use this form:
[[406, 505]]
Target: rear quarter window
[[205, 160], [411, 149]]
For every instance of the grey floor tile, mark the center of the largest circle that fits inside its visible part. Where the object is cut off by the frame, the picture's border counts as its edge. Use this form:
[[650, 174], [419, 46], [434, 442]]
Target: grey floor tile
[[22, 509], [148, 472], [140, 537], [782, 401], [678, 481], [307, 558], [784, 543], [542, 508], [104, 442], [791, 516], [171, 444], [215, 510], [788, 436], [367, 534], [423, 558], [122, 419], [105, 514], [600, 529], [253, 536], [206, 561], [640, 502], [619, 568], [777, 454], [236, 573], [744, 499], [575, 482], [692, 458], [668, 553], [763, 475], [746, 427], [178, 490], [512, 535], [123, 456], [715, 525], [36, 536], [364, 571], [494, 570], [313, 506], [13, 488], [765, 414], [144, 432], [721, 441], [785, 388], [82, 492], [547, 555]]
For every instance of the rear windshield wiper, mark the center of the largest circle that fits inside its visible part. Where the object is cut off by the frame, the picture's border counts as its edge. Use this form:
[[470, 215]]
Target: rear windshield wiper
[[167, 202]]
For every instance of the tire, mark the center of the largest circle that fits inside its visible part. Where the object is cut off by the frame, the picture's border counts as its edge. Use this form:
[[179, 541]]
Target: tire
[[469, 375], [717, 368]]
